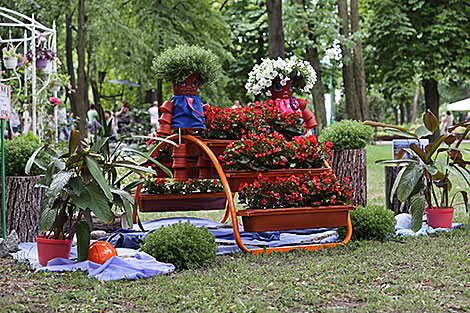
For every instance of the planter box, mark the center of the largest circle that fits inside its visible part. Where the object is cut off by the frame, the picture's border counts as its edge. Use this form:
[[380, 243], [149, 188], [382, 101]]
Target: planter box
[[181, 202], [295, 218], [237, 178], [217, 146]]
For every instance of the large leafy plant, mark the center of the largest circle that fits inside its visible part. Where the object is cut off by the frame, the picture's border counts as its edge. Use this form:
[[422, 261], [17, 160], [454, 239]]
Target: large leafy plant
[[84, 180], [425, 177]]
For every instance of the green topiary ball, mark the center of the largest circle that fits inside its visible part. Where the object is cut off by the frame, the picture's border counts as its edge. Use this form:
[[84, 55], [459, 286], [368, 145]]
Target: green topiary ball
[[373, 222], [17, 152], [177, 63], [183, 244], [347, 134]]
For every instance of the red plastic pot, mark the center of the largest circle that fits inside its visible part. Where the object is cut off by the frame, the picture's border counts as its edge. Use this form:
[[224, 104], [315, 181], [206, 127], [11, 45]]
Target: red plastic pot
[[49, 249], [440, 218]]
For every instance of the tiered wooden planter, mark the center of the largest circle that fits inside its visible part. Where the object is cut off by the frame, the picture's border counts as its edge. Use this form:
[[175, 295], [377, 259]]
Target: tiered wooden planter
[[181, 202]]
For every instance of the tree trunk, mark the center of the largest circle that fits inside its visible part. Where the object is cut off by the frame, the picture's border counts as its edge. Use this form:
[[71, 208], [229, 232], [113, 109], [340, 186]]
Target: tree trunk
[[82, 90], [359, 75], [159, 92], [395, 114], [352, 102], [95, 92], [353, 164], [408, 111], [275, 30], [415, 105], [431, 96], [402, 113], [318, 92], [69, 58], [23, 205], [391, 173]]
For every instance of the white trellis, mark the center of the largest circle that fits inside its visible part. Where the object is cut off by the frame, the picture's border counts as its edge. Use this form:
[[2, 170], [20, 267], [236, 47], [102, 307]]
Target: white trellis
[[34, 34]]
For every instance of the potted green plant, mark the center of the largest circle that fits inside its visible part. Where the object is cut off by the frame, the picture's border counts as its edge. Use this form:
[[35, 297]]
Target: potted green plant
[[187, 67], [274, 156], [58, 80], [165, 194], [349, 157], [295, 202], [425, 176], [10, 57], [79, 182]]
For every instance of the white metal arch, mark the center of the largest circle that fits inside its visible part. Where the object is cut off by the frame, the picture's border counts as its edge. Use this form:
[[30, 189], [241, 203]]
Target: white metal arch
[[34, 33]]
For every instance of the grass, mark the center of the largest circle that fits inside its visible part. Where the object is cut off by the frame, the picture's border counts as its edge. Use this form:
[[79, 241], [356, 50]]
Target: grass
[[405, 274]]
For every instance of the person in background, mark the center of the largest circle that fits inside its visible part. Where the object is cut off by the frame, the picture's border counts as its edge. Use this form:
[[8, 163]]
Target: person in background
[[110, 120], [123, 116], [15, 121], [154, 116], [467, 118], [62, 120], [450, 119], [443, 123], [92, 115], [236, 104]]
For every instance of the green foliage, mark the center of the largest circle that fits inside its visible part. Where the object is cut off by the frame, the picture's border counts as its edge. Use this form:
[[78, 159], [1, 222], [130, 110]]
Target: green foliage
[[183, 244], [176, 64], [17, 152], [373, 222], [347, 134]]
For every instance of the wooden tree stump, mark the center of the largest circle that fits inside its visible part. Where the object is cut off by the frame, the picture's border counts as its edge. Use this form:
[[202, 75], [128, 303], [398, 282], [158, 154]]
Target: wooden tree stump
[[352, 163], [23, 206], [391, 173]]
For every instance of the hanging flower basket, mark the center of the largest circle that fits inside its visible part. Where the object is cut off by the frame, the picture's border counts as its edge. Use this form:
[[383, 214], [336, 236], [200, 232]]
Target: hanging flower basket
[[41, 64], [295, 218], [10, 63]]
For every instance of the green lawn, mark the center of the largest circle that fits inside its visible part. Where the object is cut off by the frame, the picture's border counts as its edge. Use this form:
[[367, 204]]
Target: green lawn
[[429, 274]]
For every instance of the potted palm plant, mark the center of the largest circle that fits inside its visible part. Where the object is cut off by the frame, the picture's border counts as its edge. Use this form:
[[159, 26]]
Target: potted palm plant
[[79, 182], [425, 176]]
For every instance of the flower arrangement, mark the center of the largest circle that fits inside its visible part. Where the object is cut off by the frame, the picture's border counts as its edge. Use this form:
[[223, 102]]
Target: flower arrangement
[[10, 53], [260, 118], [261, 152], [41, 53], [177, 63], [263, 75], [307, 190], [169, 186], [54, 101]]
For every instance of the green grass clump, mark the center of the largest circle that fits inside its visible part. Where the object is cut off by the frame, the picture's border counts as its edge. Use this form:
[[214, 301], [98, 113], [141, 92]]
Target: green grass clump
[[373, 222], [347, 134], [183, 244], [177, 63]]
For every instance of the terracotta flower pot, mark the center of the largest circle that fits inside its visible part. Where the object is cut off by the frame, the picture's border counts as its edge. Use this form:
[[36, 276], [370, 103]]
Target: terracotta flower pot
[[179, 202], [49, 249], [309, 118], [440, 218], [187, 87], [295, 218], [167, 107], [180, 151], [166, 118], [164, 129]]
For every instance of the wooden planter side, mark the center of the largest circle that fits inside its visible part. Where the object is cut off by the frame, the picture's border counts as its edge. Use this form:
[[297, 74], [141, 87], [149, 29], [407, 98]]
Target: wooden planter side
[[295, 218], [23, 206], [352, 163], [237, 178], [179, 202], [218, 146]]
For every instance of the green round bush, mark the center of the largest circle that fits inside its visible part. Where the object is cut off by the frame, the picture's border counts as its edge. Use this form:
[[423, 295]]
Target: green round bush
[[182, 244], [17, 152], [177, 63], [347, 134], [373, 222]]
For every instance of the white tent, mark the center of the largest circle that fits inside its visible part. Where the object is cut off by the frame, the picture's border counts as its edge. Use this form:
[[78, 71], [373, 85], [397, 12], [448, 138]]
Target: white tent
[[463, 105]]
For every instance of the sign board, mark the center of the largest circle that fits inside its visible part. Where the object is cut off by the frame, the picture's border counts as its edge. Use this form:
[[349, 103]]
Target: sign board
[[5, 102], [399, 144]]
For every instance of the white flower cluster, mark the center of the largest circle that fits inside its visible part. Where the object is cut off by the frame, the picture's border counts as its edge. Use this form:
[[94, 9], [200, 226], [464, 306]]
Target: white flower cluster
[[263, 75]]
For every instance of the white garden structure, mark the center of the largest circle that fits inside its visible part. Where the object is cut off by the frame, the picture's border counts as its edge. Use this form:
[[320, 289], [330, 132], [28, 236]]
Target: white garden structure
[[34, 34]]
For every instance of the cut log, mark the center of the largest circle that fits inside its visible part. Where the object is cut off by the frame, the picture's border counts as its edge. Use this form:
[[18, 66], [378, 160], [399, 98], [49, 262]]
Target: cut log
[[352, 163], [120, 221], [23, 205], [391, 173]]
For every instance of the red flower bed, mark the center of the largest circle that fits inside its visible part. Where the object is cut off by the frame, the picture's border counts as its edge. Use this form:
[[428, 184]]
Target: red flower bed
[[307, 190], [261, 152]]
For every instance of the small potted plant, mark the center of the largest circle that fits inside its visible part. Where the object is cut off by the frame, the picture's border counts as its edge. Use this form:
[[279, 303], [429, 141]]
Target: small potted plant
[[42, 56], [79, 182], [425, 177], [278, 79], [274, 156], [58, 80], [10, 57], [295, 202], [165, 194], [349, 158]]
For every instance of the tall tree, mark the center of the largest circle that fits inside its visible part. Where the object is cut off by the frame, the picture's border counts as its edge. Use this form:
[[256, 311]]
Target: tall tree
[[81, 107], [275, 30]]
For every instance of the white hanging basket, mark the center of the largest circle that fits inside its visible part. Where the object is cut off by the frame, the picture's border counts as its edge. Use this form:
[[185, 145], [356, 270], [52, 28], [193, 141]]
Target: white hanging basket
[[10, 63], [54, 88], [48, 69]]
